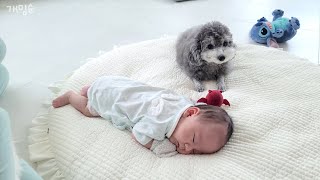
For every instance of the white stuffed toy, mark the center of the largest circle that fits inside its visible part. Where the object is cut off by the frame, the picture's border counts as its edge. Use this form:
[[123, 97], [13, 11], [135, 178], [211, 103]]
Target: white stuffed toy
[[163, 148]]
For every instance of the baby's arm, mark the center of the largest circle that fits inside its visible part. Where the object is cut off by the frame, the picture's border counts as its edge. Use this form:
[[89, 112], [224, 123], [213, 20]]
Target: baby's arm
[[148, 145], [162, 148]]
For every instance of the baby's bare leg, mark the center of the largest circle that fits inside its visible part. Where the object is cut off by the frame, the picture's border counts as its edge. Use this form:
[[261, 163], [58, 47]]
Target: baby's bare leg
[[84, 91], [76, 100], [62, 100]]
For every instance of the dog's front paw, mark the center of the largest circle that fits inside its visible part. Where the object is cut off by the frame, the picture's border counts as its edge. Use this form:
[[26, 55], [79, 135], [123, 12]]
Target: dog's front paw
[[221, 87], [220, 83], [198, 85], [200, 88]]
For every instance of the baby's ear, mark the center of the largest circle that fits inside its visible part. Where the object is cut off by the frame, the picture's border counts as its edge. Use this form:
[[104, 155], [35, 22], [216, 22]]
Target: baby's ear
[[192, 111]]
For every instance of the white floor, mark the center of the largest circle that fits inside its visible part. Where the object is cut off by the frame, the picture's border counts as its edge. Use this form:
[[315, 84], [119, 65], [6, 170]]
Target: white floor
[[54, 37]]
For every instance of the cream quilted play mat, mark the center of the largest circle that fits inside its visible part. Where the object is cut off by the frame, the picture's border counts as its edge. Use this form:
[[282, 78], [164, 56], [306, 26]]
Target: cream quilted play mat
[[275, 105]]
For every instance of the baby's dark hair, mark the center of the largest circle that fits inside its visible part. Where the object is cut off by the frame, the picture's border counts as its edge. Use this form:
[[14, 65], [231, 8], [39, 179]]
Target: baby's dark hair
[[217, 114]]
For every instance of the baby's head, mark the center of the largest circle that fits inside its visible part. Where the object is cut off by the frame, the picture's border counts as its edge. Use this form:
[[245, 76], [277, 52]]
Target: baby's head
[[202, 129]]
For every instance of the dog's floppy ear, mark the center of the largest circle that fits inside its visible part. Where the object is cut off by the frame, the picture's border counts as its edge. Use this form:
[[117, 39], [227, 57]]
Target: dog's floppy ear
[[194, 54]]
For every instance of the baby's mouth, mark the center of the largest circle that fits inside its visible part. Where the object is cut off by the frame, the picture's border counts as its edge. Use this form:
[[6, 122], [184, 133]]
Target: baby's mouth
[[177, 144]]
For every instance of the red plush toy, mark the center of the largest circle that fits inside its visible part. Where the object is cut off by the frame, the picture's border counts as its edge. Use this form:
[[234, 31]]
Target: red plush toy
[[215, 98]]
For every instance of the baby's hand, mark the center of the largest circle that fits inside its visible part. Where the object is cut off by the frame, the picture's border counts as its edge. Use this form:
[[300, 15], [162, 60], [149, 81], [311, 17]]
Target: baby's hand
[[163, 148]]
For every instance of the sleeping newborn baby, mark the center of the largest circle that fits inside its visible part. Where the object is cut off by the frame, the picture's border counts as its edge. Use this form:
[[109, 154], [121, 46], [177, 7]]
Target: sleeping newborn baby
[[159, 119]]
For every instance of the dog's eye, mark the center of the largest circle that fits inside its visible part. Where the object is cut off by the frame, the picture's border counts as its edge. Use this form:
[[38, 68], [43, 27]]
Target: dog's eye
[[225, 43], [210, 46]]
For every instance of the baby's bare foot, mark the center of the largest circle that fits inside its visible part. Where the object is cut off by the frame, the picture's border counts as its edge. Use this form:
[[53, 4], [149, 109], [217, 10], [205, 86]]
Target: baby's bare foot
[[62, 100]]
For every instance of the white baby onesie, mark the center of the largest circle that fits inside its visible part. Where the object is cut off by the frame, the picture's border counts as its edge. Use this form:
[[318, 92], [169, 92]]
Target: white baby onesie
[[149, 112]]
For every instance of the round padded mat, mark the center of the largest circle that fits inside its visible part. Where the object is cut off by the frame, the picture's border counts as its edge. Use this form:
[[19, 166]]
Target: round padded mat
[[275, 105]]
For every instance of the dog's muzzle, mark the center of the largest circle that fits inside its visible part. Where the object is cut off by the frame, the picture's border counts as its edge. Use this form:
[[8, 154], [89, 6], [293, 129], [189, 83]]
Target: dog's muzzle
[[221, 58]]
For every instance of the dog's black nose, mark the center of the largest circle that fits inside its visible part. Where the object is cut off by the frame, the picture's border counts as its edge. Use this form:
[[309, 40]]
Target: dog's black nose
[[221, 57]]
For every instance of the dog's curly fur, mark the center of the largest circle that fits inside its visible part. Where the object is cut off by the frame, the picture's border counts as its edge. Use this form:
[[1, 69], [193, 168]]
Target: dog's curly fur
[[203, 53]]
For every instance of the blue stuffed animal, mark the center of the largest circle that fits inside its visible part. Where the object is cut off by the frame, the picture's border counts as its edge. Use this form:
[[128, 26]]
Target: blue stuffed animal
[[4, 75], [278, 31]]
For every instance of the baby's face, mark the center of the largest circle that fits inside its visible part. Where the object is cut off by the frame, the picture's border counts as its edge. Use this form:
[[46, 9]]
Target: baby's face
[[193, 136]]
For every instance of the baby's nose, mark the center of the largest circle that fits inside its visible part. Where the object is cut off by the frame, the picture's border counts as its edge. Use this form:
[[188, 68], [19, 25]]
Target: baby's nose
[[188, 147]]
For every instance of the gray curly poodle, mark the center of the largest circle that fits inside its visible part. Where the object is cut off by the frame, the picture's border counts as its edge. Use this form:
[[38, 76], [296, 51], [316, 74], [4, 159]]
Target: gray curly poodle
[[203, 53]]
